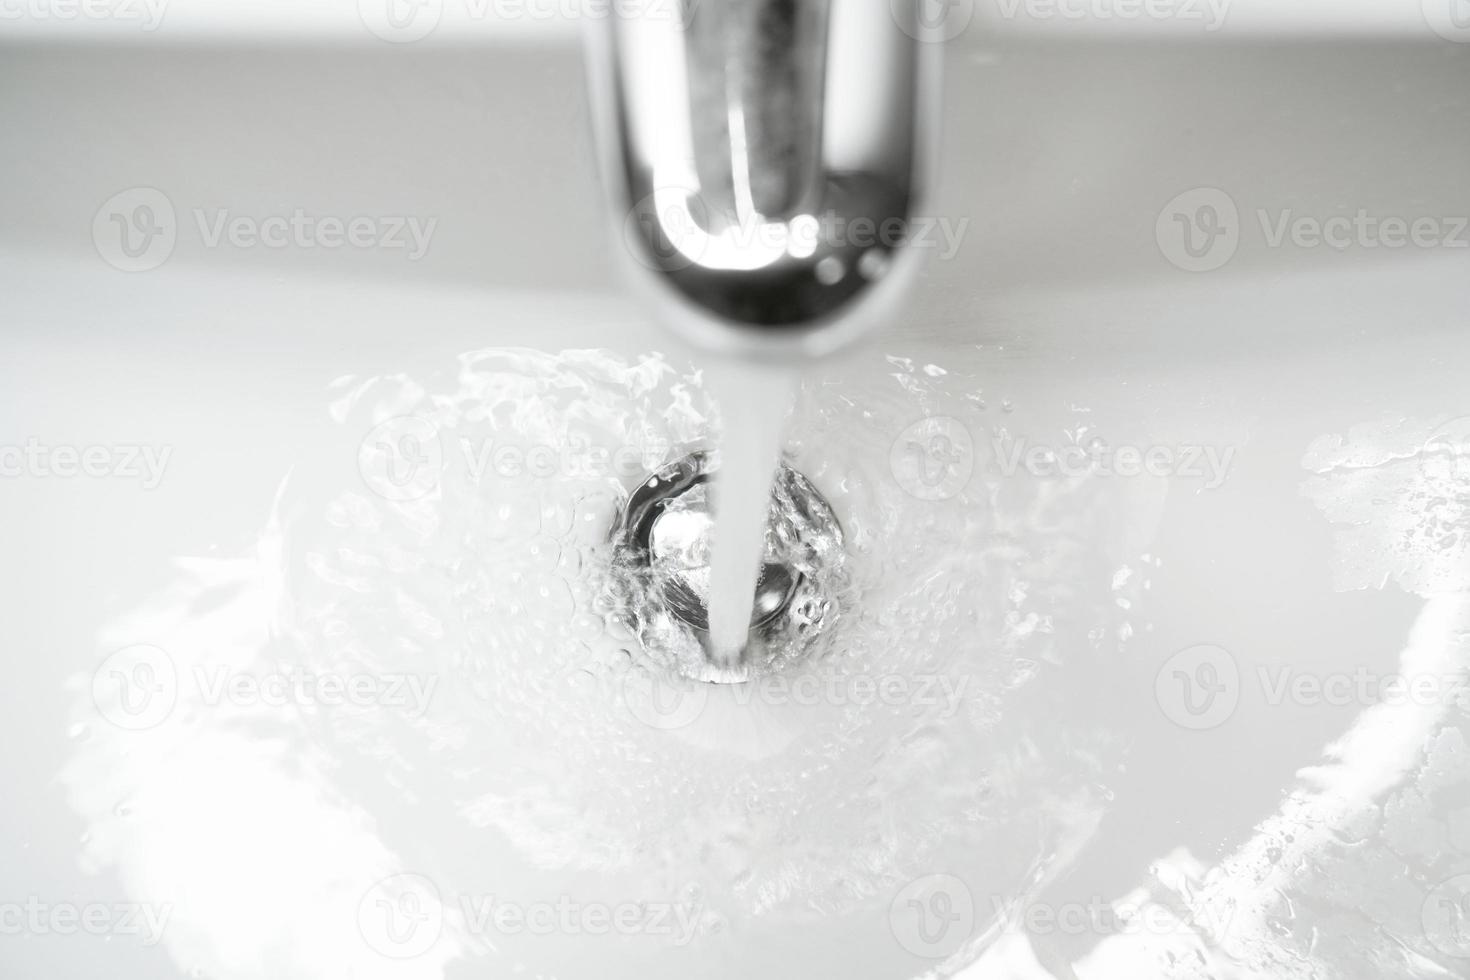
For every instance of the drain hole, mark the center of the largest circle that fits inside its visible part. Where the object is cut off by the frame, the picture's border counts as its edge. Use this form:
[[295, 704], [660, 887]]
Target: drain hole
[[662, 544]]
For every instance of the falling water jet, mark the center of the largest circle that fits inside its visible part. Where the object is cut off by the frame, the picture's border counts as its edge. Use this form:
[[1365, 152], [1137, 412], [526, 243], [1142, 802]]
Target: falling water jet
[[754, 402]]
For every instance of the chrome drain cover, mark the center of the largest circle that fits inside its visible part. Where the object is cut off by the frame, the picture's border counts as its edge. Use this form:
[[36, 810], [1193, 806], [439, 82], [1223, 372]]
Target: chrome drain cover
[[661, 570]]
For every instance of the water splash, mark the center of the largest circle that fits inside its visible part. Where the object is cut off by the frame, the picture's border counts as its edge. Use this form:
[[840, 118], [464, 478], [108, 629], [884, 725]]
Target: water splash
[[459, 532]]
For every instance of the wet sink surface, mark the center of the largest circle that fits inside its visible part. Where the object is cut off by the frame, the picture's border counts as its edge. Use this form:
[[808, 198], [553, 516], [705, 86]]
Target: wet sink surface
[[1066, 677], [1092, 677]]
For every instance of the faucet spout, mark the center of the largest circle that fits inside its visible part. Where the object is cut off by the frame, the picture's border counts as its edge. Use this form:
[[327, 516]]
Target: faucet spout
[[756, 73], [767, 159]]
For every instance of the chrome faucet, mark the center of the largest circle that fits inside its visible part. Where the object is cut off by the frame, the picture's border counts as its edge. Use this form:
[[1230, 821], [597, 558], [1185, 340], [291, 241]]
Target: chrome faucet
[[766, 159]]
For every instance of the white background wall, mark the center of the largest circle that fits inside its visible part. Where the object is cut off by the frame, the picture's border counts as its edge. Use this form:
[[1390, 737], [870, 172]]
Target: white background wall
[[537, 21]]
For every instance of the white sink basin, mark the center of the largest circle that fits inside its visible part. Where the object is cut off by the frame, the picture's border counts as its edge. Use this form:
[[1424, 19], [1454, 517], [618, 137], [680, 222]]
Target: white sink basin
[[310, 674]]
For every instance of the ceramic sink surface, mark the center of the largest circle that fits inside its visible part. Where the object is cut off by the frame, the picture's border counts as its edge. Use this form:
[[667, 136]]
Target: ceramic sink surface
[[1156, 494]]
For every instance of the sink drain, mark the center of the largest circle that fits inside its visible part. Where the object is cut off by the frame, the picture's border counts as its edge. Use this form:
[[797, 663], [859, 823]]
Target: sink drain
[[661, 544]]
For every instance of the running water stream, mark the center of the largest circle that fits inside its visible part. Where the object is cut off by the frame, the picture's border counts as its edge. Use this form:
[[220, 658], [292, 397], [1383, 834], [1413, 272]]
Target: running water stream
[[754, 401]]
